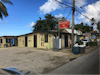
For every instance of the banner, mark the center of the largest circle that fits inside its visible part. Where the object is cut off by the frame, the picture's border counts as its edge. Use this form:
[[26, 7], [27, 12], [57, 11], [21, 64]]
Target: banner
[[64, 24]]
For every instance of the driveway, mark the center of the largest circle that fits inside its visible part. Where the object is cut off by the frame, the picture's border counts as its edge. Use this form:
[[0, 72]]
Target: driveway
[[31, 59]]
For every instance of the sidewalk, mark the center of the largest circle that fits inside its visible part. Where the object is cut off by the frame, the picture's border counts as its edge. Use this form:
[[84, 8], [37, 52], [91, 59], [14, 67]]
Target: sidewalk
[[88, 50]]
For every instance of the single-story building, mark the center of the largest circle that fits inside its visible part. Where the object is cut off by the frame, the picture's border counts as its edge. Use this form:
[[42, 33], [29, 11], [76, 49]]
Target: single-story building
[[7, 41], [39, 39], [42, 39]]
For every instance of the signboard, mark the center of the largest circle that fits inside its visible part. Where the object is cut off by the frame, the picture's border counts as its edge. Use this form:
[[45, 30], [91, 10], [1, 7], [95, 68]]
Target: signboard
[[88, 35], [93, 37], [64, 24]]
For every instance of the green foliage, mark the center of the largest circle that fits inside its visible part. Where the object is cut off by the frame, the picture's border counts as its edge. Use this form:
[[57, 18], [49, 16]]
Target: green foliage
[[79, 43], [47, 24], [92, 43], [83, 28], [98, 25], [3, 9], [92, 21]]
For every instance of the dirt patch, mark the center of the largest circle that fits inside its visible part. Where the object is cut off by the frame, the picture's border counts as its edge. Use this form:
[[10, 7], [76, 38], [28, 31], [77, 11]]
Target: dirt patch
[[27, 52], [57, 61], [15, 60]]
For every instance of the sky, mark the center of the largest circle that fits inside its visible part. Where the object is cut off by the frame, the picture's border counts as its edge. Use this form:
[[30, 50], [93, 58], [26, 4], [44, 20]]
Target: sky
[[23, 14]]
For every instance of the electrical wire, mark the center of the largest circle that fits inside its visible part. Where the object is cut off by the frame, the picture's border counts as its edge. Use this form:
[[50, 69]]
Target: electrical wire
[[69, 14], [90, 15]]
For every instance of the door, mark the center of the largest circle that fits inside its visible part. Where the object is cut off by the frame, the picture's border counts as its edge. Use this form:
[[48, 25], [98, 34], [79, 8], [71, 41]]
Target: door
[[25, 41], [66, 40], [35, 40]]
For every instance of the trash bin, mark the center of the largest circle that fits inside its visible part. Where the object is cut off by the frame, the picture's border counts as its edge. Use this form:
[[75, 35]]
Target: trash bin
[[82, 49], [76, 49]]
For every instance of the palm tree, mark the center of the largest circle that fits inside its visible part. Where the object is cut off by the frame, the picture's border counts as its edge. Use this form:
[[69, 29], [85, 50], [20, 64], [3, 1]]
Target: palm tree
[[3, 9]]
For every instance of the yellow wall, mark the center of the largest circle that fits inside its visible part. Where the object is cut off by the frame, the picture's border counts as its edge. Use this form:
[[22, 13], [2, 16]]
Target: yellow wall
[[21, 41], [3, 42], [30, 40], [41, 39]]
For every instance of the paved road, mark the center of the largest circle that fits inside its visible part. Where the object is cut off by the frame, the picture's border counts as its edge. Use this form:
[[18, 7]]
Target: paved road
[[88, 64]]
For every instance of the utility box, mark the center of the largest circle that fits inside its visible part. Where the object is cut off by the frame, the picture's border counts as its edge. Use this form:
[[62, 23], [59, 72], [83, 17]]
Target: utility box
[[57, 44]]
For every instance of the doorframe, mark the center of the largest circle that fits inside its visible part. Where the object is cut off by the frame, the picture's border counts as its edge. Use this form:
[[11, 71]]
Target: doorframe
[[26, 41], [35, 41]]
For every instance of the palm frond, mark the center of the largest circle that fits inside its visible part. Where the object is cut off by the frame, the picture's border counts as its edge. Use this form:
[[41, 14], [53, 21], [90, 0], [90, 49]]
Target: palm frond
[[2, 5], [1, 15], [7, 1], [3, 11]]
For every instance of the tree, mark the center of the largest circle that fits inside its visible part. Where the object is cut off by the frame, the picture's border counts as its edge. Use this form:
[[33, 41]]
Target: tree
[[48, 24], [83, 28], [3, 9], [98, 25], [92, 21]]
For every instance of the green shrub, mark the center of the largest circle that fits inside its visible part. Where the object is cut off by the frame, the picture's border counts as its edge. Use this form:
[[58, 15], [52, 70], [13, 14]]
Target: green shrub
[[93, 44], [80, 43]]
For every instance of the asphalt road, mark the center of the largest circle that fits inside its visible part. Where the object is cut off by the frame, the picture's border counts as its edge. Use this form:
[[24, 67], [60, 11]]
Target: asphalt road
[[88, 64]]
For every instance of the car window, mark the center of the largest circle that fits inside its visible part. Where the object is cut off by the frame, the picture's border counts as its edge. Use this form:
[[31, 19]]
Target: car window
[[84, 40]]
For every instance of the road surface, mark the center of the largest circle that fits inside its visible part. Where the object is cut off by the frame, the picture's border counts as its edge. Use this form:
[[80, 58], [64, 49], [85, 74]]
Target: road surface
[[88, 64]]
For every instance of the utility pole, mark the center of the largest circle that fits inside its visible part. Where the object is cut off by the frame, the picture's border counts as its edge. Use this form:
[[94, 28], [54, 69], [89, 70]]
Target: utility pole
[[73, 8]]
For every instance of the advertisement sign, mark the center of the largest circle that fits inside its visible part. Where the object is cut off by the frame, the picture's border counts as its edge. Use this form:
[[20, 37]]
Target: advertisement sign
[[64, 24], [93, 37]]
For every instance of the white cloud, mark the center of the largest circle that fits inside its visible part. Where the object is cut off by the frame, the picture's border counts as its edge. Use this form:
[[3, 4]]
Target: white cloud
[[50, 5], [80, 3], [31, 25], [92, 11], [60, 15]]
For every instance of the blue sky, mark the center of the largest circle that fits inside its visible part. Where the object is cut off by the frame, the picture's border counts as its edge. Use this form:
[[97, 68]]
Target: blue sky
[[24, 13]]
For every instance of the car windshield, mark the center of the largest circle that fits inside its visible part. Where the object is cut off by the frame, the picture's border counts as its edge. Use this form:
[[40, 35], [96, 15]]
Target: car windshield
[[84, 40]]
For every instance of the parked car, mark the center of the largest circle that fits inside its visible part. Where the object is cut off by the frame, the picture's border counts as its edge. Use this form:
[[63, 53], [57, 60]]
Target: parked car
[[85, 41]]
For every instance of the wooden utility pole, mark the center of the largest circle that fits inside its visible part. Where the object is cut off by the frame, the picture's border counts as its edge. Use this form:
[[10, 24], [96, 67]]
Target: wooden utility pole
[[73, 24]]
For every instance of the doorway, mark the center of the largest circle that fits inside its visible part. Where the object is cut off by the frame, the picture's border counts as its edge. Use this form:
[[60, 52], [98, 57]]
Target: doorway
[[25, 41], [35, 40], [66, 40]]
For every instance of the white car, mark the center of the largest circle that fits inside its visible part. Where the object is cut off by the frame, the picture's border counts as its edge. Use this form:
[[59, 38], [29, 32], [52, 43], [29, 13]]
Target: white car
[[85, 41]]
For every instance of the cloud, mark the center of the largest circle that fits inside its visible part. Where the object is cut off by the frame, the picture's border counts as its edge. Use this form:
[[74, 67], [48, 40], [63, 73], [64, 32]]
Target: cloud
[[60, 15], [92, 11], [80, 3], [31, 25], [49, 6]]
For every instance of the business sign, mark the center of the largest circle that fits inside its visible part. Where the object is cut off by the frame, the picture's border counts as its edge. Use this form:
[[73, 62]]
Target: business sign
[[88, 35], [64, 24], [93, 37]]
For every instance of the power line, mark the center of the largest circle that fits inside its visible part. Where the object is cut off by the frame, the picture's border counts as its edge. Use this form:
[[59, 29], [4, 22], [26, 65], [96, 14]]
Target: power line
[[69, 13], [75, 9], [86, 12], [94, 6]]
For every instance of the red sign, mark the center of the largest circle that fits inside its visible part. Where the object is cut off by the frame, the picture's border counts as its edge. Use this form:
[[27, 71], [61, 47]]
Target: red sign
[[64, 24], [88, 35]]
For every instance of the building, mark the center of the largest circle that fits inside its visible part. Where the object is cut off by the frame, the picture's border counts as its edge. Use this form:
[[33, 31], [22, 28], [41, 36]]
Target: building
[[7, 41], [39, 39], [42, 39]]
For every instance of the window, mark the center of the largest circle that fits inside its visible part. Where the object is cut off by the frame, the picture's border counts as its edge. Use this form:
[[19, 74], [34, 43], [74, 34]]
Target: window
[[7, 40], [46, 38], [1, 40]]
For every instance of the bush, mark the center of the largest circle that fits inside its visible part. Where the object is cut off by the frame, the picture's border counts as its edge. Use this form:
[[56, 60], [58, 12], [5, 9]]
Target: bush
[[79, 43], [93, 44]]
